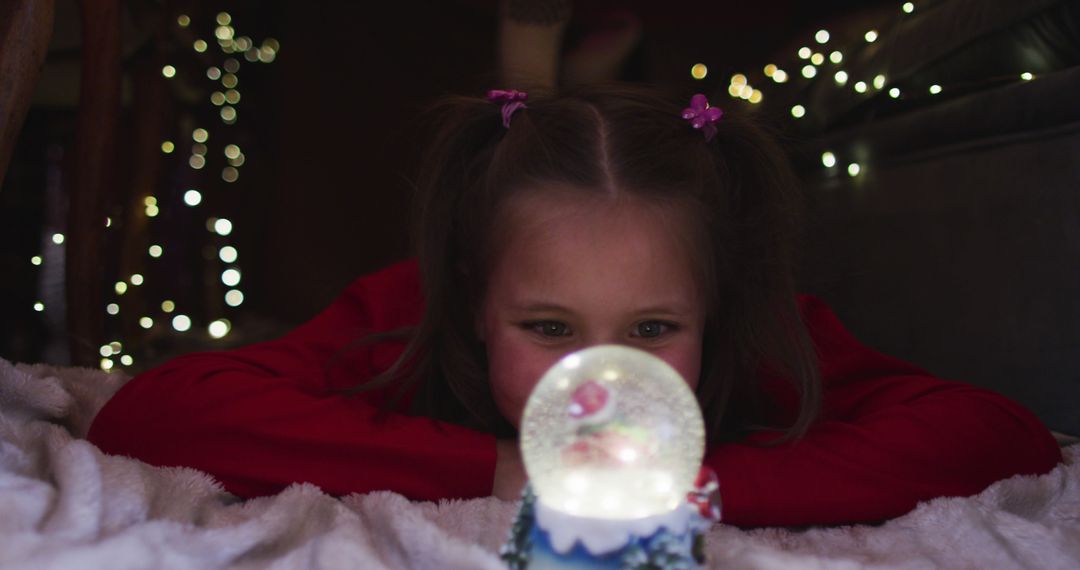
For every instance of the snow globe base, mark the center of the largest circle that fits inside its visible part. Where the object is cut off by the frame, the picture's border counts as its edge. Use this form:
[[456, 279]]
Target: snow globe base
[[543, 538]]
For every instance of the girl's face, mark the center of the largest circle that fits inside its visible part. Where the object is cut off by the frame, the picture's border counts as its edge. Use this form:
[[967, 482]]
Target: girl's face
[[574, 272]]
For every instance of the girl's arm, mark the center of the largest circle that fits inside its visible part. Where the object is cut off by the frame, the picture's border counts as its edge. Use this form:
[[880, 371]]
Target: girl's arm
[[890, 435], [261, 417]]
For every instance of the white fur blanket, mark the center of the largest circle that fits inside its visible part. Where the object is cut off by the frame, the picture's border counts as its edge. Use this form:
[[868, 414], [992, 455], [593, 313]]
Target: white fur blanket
[[64, 504]]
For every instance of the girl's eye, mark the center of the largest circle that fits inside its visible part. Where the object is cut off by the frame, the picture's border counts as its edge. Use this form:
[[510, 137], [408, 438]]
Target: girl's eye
[[652, 329], [548, 328]]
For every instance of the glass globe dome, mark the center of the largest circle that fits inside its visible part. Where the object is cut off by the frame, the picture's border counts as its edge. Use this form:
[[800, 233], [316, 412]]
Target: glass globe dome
[[612, 432]]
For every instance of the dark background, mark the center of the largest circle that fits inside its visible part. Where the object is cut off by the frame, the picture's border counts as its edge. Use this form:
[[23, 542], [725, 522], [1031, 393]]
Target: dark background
[[955, 248]]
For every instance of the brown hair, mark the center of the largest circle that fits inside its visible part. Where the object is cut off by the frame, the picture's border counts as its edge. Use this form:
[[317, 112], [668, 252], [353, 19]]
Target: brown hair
[[624, 139]]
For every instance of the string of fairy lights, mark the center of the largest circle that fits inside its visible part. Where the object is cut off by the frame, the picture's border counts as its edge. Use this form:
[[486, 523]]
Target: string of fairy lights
[[812, 61], [225, 98]]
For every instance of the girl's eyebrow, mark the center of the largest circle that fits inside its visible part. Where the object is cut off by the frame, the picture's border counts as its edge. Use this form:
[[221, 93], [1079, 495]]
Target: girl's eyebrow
[[670, 309], [542, 307]]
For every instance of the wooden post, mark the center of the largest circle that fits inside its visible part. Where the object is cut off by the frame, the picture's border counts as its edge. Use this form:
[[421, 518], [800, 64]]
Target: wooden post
[[94, 177], [26, 28]]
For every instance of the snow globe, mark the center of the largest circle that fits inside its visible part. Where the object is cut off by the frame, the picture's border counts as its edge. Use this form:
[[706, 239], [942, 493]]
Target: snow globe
[[612, 439]]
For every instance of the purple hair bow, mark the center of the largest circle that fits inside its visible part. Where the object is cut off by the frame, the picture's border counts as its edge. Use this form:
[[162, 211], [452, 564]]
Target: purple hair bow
[[511, 100], [702, 116]]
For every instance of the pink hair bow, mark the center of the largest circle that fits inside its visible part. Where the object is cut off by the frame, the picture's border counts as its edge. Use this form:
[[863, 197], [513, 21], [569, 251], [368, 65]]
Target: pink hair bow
[[702, 116], [511, 100]]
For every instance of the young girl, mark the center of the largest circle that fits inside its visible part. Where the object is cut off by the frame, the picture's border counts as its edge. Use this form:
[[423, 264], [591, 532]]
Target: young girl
[[545, 225]]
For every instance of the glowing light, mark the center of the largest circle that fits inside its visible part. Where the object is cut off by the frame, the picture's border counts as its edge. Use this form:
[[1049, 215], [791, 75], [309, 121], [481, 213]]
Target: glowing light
[[853, 169], [199, 45], [120, 289], [213, 73], [183, 20], [149, 201], [879, 81], [267, 55], [228, 114], [804, 53], [271, 44], [822, 36], [217, 98], [39, 306], [112, 309], [809, 71], [238, 161], [232, 151], [836, 57], [841, 77], [231, 65], [860, 86], [243, 43], [116, 347], [828, 159], [234, 298], [894, 92], [58, 239], [127, 360], [192, 197], [224, 33], [798, 111], [197, 161], [108, 221], [817, 59], [36, 260], [230, 174], [935, 89], [168, 306], [230, 277], [105, 350], [229, 80], [232, 96], [780, 76], [168, 71], [182, 323], [756, 97], [228, 254], [219, 328], [106, 364], [738, 79], [155, 251], [1027, 76], [734, 90], [167, 147], [770, 69], [745, 92], [146, 322], [223, 227], [699, 71], [908, 7], [223, 19], [871, 36], [136, 279], [252, 55], [200, 135]]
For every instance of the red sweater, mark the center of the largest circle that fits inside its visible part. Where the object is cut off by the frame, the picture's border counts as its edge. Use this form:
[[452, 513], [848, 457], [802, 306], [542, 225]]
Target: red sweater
[[263, 416]]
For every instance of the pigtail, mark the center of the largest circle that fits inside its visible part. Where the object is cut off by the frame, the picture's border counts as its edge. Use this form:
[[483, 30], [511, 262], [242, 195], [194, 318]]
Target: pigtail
[[443, 365], [763, 319]]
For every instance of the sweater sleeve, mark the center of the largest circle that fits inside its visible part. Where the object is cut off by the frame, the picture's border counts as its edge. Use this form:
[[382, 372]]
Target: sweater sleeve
[[890, 435], [264, 416]]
